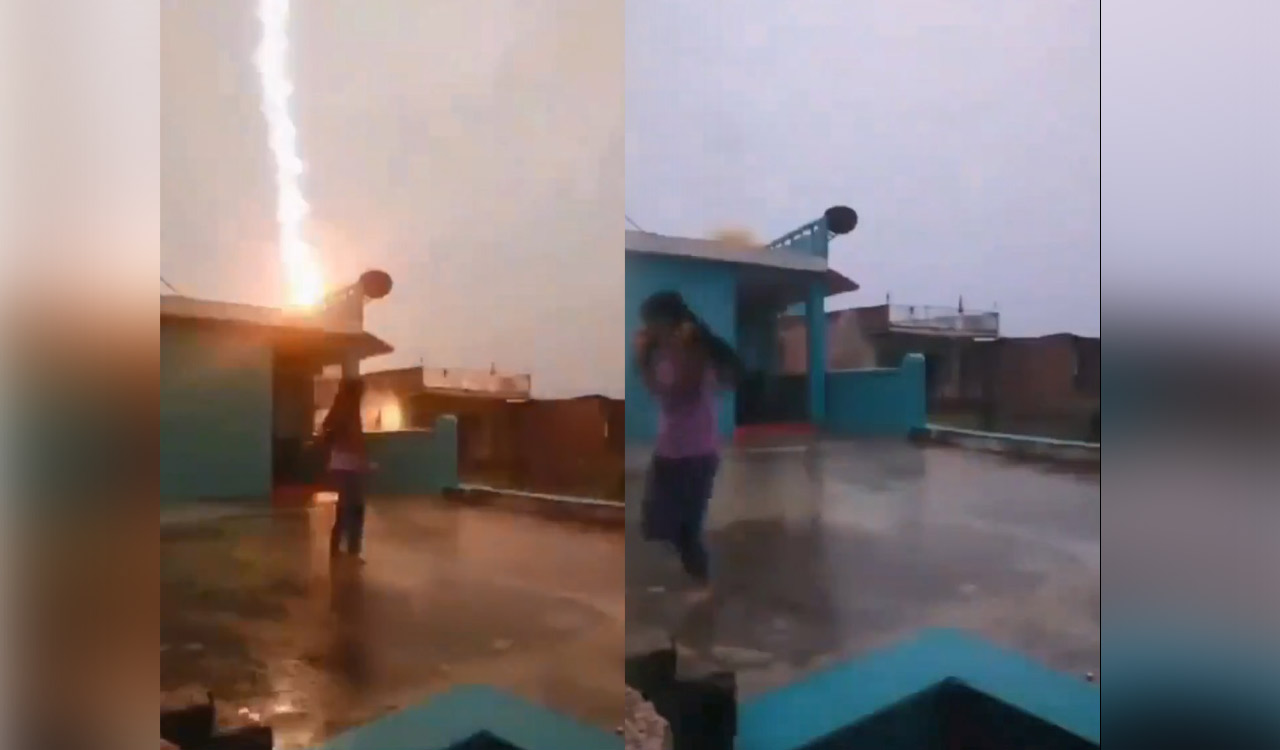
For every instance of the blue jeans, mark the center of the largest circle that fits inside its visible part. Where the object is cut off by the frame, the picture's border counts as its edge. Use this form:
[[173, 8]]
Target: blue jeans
[[348, 522]]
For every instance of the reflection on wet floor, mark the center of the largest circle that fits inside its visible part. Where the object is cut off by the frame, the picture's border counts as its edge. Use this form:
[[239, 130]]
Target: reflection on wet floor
[[253, 611], [826, 552], [818, 554]]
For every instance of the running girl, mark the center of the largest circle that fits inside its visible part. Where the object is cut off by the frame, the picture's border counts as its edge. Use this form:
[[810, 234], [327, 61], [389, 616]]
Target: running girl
[[684, 365]]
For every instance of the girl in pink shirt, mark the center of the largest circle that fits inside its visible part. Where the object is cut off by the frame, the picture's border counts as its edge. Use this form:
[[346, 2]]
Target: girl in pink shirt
[[684, 365], [342, 435]]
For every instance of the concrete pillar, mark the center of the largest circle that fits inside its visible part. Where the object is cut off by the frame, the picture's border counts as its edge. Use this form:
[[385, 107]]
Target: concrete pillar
[[913, 407], [815, 315]]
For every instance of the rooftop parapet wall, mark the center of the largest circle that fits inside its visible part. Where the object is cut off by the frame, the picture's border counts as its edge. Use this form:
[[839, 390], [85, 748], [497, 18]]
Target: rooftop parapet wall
[[881, 402]]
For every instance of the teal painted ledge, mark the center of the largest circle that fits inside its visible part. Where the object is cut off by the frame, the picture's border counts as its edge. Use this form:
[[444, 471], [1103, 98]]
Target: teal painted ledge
[[920, 693], [475, 717], [1020, 446]]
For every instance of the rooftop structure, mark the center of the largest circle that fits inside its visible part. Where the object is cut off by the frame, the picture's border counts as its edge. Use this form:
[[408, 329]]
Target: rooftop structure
[[740, 292], [775, 275], [284, 324], [941, 320], [236, 399]]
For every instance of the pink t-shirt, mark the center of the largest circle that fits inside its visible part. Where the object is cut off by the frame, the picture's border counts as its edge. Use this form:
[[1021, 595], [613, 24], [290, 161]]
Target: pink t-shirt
[[340, 460], [687, 422]]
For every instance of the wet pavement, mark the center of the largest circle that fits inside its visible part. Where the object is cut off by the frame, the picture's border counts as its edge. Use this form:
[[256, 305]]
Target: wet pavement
[[253, 611], [825, 552], [820, 553]]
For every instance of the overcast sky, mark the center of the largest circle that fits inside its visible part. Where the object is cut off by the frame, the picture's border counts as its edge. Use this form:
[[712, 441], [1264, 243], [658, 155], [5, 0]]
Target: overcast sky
[[964, 132], [472, 149], [1193, 159], [476, 151]]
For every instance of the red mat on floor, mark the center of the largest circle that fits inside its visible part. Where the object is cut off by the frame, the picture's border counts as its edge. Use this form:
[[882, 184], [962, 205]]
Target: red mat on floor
[[758, 432]]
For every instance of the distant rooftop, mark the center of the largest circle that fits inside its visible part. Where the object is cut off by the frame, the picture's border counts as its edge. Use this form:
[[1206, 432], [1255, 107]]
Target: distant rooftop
[[481, 381], [452, 381], [689, 247], [933, 320], [944, 320], [648, 243]]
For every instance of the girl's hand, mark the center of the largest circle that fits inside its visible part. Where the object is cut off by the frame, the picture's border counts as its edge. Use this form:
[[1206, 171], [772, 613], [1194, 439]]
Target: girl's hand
[[686, 333], [642, 341]]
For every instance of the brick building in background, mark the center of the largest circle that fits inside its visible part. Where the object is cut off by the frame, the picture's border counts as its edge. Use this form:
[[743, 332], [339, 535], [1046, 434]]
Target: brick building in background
[[1048, 385], [506, 438], [388, 392], [882, 335], [571, 446]]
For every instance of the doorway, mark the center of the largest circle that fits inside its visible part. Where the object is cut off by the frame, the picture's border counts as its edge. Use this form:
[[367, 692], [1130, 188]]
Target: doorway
[[292, 422], [774, 387]]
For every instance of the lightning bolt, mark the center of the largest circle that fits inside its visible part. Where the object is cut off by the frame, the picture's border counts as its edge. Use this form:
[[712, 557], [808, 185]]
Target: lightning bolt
[[302, 272]]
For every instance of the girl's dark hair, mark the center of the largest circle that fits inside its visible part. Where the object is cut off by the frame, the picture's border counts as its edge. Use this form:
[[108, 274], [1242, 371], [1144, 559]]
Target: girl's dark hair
[[345, 410], [669, 308], [350, 391]]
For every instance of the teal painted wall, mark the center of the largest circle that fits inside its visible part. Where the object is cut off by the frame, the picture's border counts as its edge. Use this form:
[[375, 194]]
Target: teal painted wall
[[215, 413], [415, 462], [711, 290], [877, 402], [469, 713], [905, 696]]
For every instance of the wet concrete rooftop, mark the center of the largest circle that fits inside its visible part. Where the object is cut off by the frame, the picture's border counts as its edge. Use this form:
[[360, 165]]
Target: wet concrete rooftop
[[252, 610], [820, 552], [826, 551]]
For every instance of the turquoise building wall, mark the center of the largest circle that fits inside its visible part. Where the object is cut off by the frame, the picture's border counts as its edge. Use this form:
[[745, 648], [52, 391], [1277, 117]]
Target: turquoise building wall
[[711, 290], [415, 462], [938, 688], [877, 402], [475, 716], [215, 413]]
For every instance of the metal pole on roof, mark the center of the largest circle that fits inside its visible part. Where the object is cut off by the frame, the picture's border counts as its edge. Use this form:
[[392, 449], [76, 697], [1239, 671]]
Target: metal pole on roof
[[171, 287]]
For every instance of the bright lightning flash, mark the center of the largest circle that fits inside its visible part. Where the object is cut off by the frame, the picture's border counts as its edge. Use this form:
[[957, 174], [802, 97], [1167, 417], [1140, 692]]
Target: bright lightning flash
[[302, 271]]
